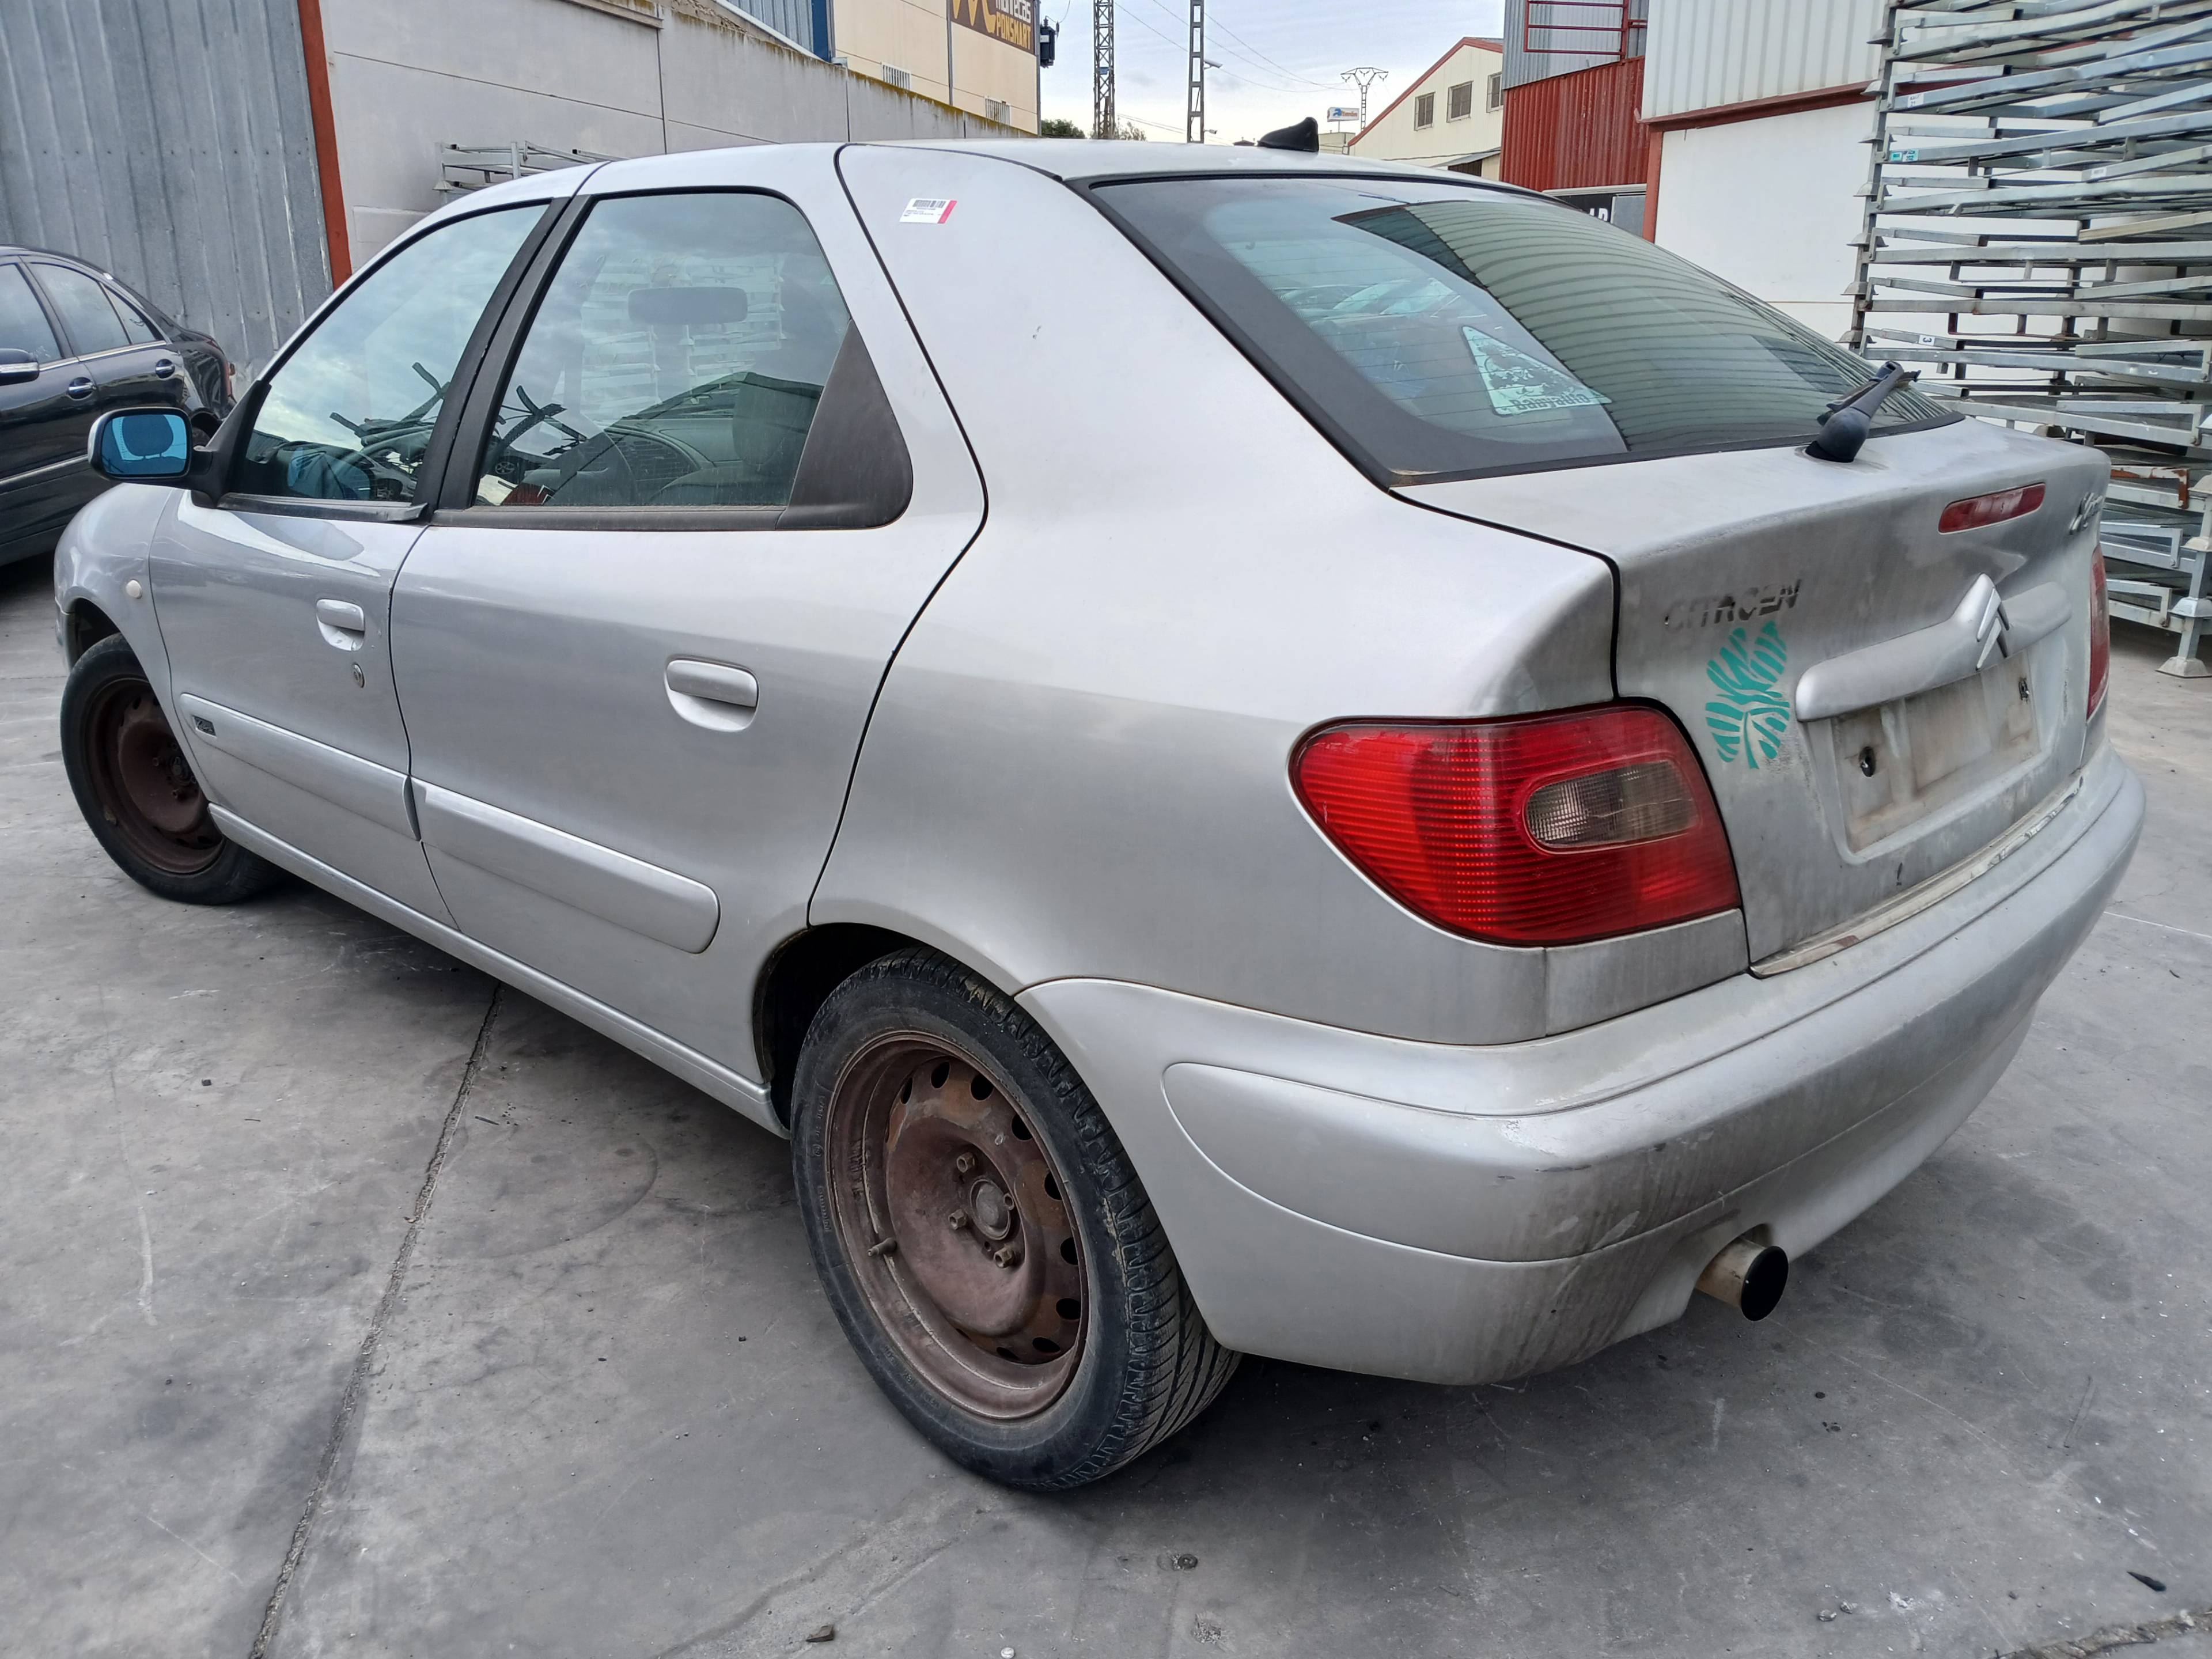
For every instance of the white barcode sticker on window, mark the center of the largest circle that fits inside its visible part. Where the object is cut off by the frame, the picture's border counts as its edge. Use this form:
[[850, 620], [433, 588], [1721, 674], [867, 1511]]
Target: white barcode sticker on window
[[928, 211]]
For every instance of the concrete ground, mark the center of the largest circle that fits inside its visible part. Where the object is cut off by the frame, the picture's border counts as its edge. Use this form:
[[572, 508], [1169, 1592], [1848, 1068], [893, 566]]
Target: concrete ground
[[353, 1306]]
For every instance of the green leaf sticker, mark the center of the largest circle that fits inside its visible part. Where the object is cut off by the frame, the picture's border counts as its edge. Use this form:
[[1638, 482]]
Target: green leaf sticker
[[1751, 714]]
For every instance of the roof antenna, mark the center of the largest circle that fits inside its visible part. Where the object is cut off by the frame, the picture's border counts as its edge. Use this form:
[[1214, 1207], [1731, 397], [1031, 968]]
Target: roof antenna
[[1306, 135]]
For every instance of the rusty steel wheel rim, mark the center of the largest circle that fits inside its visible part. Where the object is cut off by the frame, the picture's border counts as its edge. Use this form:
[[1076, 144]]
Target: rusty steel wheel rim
[[144, 785], [955, 1220]]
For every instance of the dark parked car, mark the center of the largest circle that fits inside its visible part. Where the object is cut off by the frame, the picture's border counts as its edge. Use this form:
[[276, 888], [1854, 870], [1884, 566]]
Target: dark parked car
[[75, 342]]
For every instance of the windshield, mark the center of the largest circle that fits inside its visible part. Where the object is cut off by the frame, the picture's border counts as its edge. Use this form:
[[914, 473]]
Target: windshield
[[1442, 332]]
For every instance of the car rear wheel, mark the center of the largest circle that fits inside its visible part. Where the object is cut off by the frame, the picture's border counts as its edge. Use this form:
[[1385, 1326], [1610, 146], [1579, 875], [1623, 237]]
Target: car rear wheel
[[982, 1236], [136, 788]]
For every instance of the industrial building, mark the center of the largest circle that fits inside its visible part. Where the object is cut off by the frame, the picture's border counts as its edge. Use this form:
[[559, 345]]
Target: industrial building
[[234, 160], [1732, 131], [980, 56], [1451, 115]]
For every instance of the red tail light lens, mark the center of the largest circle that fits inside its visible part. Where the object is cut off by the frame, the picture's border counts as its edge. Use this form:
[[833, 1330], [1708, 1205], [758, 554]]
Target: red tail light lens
[[2100, 632], [1546, 831], [1978, 510]]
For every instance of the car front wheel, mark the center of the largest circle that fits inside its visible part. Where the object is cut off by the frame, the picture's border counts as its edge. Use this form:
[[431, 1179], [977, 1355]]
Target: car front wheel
[[982, 1236], [137, 790]]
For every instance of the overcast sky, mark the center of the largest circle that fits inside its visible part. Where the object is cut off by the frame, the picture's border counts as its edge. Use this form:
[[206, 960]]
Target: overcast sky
[[1280, 59]]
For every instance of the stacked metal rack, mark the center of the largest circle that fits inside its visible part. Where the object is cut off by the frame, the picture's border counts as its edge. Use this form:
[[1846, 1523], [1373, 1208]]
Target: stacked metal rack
[[464, 167], [2038, 236]]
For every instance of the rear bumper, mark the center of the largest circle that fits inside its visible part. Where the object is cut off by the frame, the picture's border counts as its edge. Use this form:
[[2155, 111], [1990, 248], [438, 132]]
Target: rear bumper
[[1462, 1214]]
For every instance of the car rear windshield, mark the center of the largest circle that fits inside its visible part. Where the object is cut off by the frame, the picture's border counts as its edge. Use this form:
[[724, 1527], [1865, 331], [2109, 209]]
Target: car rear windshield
[[1444, 332]]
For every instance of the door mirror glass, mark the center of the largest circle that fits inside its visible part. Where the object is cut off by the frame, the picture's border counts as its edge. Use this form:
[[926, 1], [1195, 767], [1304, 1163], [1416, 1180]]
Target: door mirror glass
[[348, 417], [141, 443], [675, 360], [17, 367]]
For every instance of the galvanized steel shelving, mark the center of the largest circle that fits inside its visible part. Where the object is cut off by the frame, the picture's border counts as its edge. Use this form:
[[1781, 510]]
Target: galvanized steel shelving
[[2038, 239]]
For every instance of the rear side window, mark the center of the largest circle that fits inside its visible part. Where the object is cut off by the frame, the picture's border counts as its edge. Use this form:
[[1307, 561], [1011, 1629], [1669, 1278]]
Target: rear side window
[[1441, 332], [89, 320], [23, 324], [677, 359]]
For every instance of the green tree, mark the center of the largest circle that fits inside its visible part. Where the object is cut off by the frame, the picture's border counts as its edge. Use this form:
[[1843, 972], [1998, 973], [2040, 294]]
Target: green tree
[[1056, 126]]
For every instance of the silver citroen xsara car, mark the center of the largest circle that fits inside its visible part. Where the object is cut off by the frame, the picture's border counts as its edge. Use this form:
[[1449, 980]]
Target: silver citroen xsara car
[[1250, 753]]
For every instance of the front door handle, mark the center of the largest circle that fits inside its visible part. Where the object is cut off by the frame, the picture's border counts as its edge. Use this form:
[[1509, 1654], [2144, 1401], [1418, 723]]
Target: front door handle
[[714, 694], [80, 388], [341, 624]]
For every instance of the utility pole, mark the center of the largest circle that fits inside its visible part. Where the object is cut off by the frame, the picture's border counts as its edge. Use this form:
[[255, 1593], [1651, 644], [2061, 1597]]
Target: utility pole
[[1366, 76], [1195, 109], [1104, 123]]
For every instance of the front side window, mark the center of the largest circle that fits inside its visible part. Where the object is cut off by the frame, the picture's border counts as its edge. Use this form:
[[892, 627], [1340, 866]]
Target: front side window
[[1424, 110], [23, 324], [349, 415], [1447, 332], [87, 318], [675, 360], [1462, 103]]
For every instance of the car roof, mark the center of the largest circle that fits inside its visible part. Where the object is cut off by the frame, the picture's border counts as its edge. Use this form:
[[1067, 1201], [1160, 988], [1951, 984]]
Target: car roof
[[1084, 159]]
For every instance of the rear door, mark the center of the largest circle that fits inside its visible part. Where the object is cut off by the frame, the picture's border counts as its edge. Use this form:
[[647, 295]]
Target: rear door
[[275, 602], [705, 484], [44, 423], [126, 360]]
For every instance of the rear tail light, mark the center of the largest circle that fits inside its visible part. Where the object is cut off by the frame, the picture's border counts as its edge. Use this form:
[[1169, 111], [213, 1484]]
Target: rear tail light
[[2101, 633], [1975, 511], [1545, 830]]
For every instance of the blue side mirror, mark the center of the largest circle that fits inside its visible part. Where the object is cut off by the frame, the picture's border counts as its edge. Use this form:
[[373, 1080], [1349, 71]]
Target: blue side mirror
[[141, 443]]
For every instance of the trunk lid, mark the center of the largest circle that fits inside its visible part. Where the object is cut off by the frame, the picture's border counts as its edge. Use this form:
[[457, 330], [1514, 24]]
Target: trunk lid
[[1867, 714]]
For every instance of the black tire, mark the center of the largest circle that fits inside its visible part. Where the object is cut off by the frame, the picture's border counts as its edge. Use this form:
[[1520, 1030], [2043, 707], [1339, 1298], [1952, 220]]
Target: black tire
[[1145, 1364], [136, 788]]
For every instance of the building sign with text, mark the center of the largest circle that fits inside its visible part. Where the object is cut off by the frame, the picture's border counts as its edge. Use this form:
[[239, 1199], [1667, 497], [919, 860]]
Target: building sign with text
[[1014, 21]]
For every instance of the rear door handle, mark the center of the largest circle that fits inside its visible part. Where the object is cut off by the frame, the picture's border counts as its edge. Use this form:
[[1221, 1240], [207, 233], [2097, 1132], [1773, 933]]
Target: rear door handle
[[79, 388], [341, 624], [164, 367], [714, 694]]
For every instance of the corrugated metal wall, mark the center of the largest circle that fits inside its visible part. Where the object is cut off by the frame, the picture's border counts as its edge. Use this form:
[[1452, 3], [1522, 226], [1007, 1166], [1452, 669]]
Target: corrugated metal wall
[[1546, 37], [1577, 132], [1708, 52], [168, 142]]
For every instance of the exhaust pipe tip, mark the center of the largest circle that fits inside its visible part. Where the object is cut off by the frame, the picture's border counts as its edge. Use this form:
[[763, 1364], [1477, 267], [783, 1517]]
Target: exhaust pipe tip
[[1749, 1276]]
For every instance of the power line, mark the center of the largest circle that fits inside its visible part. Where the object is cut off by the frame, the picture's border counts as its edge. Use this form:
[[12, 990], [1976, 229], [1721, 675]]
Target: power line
[[1281, 69]]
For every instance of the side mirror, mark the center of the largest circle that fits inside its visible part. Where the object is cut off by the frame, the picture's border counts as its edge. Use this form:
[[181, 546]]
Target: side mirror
[[141, 443], [17, 366]]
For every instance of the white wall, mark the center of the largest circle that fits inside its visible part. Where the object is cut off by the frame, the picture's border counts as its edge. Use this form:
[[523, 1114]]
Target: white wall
[[1772, 205]]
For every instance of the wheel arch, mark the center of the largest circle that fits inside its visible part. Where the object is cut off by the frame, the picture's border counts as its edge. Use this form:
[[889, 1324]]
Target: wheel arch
[[84, 626], [796, 980]]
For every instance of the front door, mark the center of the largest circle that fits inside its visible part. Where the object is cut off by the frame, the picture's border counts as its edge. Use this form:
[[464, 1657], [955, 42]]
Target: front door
[[275, 604], [44, 423], [712, 483]]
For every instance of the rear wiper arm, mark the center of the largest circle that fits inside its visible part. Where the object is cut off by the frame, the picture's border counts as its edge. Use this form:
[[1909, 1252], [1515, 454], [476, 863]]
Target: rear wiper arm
[[1844, 428]]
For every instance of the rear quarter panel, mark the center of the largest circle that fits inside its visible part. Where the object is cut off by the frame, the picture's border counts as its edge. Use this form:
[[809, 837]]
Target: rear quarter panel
[[1078, 766]]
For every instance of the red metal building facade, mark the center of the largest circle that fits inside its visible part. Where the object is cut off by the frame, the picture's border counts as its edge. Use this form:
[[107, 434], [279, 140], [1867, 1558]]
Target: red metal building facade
[[1577, 132]]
